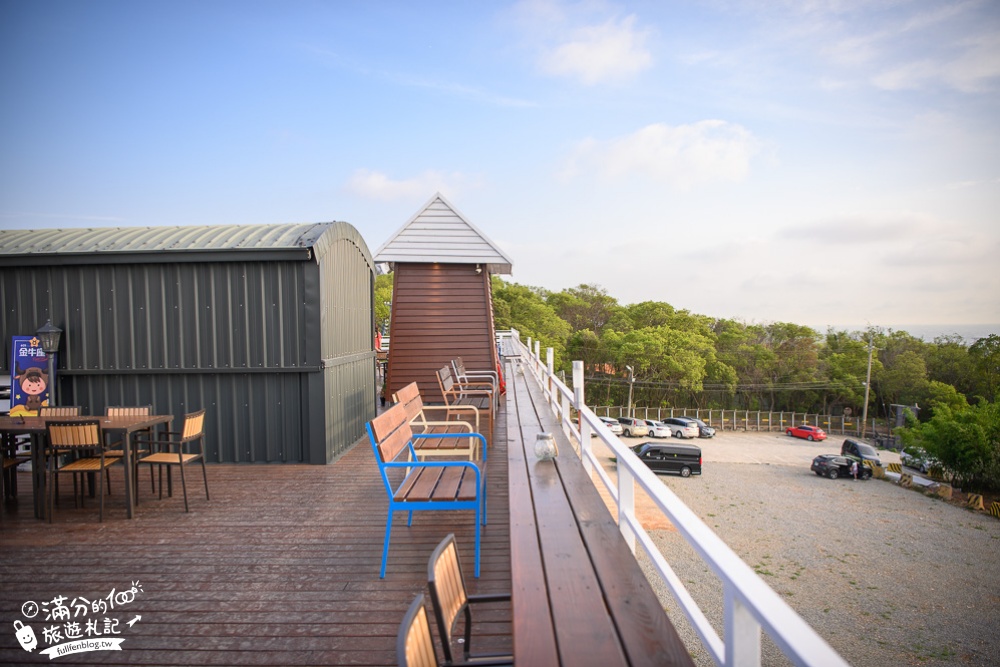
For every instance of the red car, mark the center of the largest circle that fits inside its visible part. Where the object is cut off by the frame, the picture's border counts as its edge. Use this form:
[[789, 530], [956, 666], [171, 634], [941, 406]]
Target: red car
[[809, 433]]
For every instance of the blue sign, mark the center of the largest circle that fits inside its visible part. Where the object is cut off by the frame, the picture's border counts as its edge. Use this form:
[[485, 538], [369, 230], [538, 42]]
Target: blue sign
[[29, 376]]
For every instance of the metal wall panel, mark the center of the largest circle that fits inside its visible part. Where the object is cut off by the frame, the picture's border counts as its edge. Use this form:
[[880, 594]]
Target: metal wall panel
[[246, 339]]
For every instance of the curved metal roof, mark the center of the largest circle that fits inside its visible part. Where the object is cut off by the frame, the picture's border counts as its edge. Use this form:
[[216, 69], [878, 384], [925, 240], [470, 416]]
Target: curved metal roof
[[168, 244]]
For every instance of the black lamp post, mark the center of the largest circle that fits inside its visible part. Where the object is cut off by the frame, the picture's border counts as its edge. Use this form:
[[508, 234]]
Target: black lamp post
[[49, 336]]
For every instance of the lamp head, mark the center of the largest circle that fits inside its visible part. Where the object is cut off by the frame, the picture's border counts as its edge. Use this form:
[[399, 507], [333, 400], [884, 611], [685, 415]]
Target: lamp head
[[49, 336]]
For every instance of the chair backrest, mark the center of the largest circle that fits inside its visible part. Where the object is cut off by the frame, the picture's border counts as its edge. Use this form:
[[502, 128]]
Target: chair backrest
[[409, 398], [390, 433], [414, 645], [194, 425], [446, 382], [129, 410], [60, 411], [67, 435], [447, 587]]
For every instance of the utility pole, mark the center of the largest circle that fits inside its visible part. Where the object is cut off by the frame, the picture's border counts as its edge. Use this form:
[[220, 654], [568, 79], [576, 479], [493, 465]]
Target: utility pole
[[868, 386], [631, 382]]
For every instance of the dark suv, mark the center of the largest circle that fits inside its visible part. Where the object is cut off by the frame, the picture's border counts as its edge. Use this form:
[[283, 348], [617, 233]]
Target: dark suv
[[860, 450]]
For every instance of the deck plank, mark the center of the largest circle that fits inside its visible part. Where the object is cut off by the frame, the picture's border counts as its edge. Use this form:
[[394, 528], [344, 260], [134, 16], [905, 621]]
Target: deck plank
[[279, 568]]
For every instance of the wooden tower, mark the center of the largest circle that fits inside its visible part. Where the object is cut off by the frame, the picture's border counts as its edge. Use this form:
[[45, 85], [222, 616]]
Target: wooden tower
[[442, 305]]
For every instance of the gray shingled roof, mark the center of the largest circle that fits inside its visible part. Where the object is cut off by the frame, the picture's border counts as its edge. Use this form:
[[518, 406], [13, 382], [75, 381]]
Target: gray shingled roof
[[439, 233]]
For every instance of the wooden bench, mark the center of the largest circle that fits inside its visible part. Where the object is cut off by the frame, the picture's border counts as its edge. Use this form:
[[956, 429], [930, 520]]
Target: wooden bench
[[477, 395], [578, 595], [427, 432], [422, 485]]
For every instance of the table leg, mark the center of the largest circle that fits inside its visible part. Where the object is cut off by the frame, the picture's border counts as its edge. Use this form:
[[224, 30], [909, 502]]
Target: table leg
[[127, 462], [38, 474]]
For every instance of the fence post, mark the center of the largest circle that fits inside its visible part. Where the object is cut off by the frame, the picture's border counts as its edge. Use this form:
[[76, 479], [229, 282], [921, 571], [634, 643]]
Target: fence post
[[550, 366], [742, 632], [626, 505], [584, 426]]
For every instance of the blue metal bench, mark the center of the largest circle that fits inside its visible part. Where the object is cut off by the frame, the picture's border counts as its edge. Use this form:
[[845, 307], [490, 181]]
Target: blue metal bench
[[425, 485]]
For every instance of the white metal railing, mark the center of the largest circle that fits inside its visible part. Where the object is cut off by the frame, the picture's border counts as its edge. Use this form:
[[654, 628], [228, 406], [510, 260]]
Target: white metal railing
[[750, 605]]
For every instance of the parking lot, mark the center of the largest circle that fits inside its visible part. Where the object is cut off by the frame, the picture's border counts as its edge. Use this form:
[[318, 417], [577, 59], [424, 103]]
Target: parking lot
[[886, 575]]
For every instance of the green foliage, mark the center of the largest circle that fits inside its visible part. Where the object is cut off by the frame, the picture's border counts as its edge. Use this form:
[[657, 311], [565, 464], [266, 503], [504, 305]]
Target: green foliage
[[965, 440], [524, 308], [383, 298], [985, 356]]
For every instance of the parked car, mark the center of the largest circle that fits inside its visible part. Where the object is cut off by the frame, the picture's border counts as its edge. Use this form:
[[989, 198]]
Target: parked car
[[834, 466], [658, 429], [685, 460], [682, 427], [917, 458], [806, 432], [860, 450], [633, 428], [704, 430], [613, 424]]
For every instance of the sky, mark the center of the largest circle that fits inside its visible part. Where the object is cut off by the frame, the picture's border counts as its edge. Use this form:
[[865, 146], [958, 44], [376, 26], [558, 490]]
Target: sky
[[822, 162]]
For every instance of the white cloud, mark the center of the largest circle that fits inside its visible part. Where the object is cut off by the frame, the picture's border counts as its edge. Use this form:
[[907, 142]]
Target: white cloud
[[603, 53], [377, 185], [682, 156]]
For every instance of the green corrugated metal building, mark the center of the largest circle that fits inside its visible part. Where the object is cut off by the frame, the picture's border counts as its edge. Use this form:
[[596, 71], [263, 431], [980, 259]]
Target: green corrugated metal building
[[269, 327]]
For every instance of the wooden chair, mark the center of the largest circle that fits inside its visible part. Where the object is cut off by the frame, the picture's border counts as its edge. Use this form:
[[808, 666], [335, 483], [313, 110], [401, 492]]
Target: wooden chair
[[467, 377], [426, 431], [115, 448], [425, 485], [172, 445], [481, 397], [450, 599], [85, 439], [60, 411], [414, 645]]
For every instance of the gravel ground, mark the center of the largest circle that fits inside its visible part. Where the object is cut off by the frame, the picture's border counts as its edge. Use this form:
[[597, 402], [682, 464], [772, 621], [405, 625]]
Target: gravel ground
[[886, 575]]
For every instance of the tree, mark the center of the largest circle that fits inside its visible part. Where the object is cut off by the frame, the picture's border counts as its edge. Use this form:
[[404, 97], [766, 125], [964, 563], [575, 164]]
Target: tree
[[904, 381], [383, 298], [524, 308], [985, 355], [966, 441], [584, 307]]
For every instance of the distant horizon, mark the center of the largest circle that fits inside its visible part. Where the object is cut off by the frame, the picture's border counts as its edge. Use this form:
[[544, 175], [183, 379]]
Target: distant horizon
[[970, 333]]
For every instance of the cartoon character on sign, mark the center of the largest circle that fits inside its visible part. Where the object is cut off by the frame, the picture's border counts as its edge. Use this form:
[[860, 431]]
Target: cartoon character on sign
[[34, 381], [25, 636]]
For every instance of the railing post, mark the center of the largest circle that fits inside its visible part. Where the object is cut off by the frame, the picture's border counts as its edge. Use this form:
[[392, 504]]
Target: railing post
[[626, 505], [578, 395], [742, 633], [550, 367]]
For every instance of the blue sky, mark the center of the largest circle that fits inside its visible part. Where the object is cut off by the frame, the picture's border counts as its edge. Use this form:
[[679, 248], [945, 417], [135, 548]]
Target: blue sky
[[819, 162]]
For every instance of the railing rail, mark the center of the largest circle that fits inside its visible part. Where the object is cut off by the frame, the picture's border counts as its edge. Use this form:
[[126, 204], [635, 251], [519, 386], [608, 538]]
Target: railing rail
[[750, 605]]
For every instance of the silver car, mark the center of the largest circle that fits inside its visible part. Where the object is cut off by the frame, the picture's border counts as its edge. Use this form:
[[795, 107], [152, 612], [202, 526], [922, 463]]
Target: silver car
[[612, 424], [682, 427]]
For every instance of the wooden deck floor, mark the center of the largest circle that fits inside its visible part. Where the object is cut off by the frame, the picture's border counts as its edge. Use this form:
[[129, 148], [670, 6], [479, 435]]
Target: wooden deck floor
[[279, 568]]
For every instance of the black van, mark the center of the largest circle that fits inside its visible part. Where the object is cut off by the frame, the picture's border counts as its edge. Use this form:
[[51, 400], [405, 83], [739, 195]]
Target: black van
[[684, 460], [860, 450]]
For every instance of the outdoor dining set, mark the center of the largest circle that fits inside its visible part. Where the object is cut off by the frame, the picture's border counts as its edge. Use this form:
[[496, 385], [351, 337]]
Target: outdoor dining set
[[62, 441]]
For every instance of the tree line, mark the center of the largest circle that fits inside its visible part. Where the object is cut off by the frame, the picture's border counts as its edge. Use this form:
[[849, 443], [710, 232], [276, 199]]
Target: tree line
[[682, 359]]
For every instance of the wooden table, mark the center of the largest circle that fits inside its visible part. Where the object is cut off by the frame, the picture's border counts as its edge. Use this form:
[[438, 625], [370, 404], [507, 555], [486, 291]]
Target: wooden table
[[124, 427], [578, 594]]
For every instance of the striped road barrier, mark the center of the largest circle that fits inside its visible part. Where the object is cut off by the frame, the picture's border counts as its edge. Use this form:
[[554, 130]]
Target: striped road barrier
[[975, 501]]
